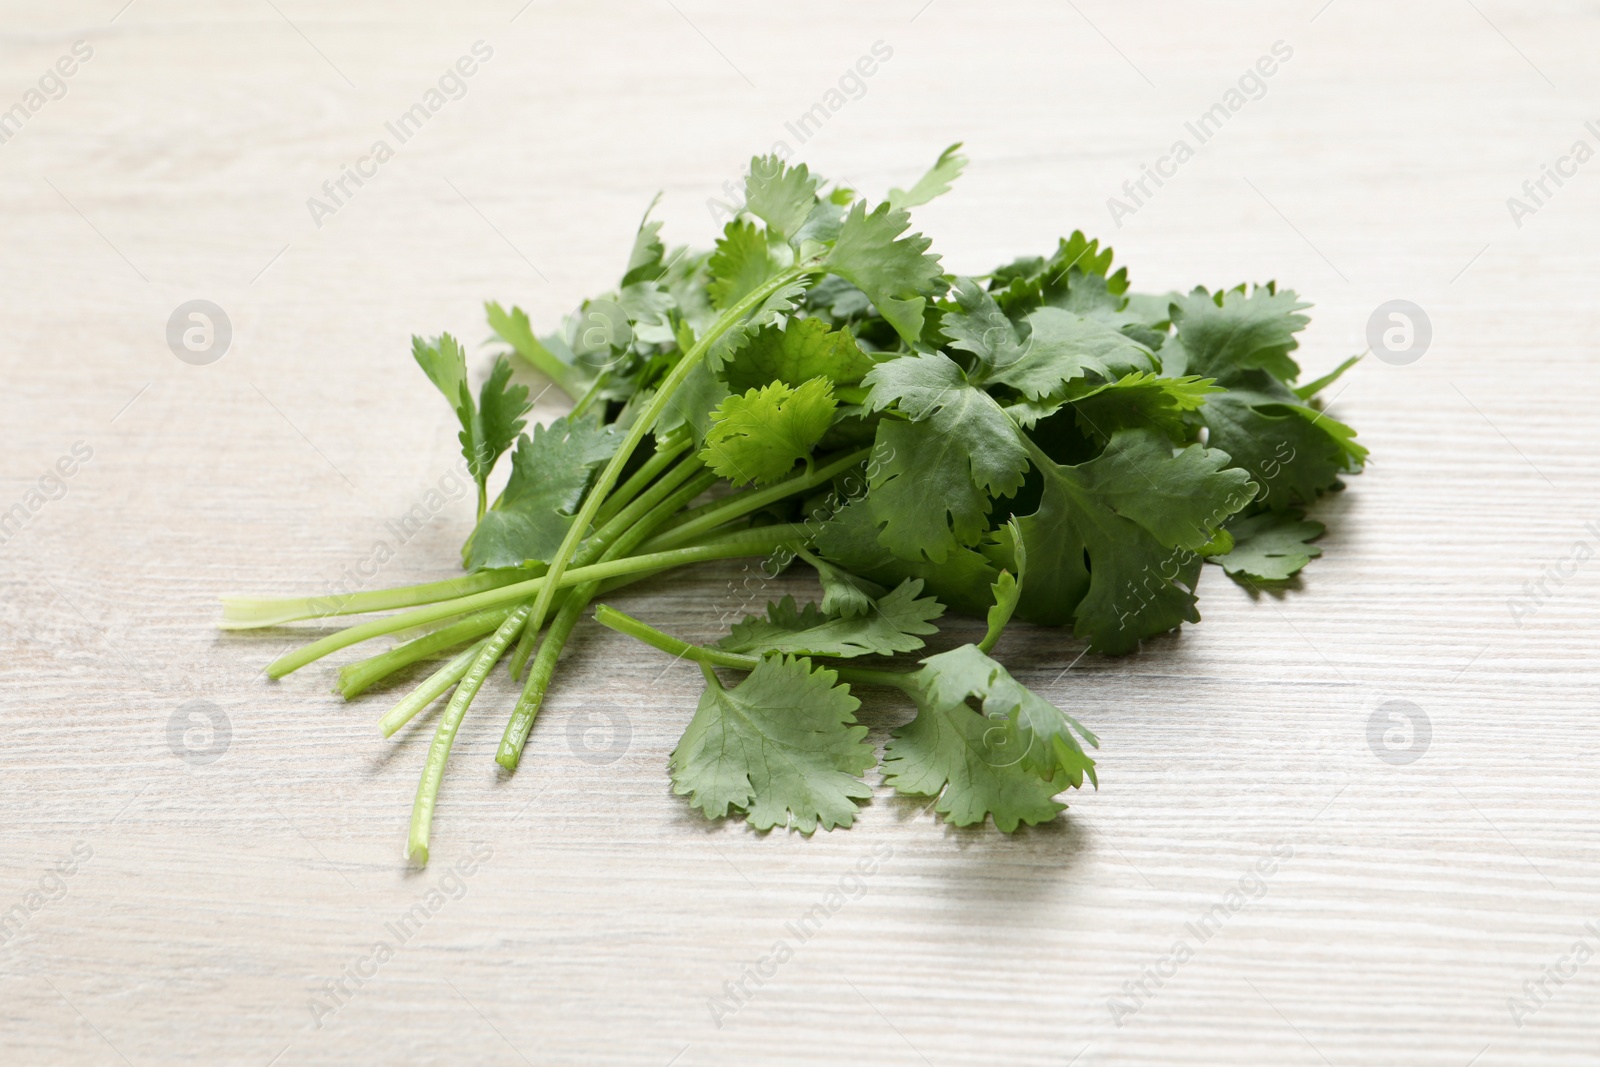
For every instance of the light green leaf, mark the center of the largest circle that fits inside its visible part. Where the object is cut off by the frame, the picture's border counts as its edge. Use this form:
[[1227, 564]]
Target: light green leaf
[[740, 264], [779, 195], [513, 328], [759, 436], [795, 352], [501, 407], [895, 274], [445, 364], [644, 260], [936, 182], [489, 427], [844, 595]]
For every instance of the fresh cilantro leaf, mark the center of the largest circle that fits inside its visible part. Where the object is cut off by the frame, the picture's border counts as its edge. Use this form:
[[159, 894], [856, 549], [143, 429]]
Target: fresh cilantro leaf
[[978, 765], [1113, 537], [850, 539], [1048, 350], [1294, 452], [501, 407], [896, 624], [1140, 400], [549, 473], [759, 436], [1271, 546], [645, 259], [648, 308], [974, 323], [781, 747], [686, 276], [1038, 443], [936, 182], [1234, 331], [773, 309], [740, 264], [938, 473], [1309, 390], [1007, 588], [513, 328], [779, 195], [1077, 277], [892, 270], [844, 595], [1042, 737], [1063, 347], [445, 364], [489, 427], [794, 353], [695, 404]]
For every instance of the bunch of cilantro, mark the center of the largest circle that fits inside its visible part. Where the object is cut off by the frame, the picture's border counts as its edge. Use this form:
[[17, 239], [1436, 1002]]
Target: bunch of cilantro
[[1038, 442]]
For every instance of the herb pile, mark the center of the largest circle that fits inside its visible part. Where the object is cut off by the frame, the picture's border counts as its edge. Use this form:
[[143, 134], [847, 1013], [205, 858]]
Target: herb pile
[[1038, 442]]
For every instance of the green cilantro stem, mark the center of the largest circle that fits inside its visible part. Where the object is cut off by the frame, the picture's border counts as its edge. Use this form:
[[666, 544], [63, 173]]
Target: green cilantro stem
[[665, 453], [590, 395], [248, 613], [628, 518], [540, 674], [606, 615], [489, 654], [756, 542], [630, 526], [645, 423], [609, 616], [429, 691], [532, 698], [709, 516], [359, 677]]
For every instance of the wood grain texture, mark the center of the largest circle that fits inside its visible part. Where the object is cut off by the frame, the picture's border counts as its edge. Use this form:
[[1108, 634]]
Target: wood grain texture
[[219, 899]]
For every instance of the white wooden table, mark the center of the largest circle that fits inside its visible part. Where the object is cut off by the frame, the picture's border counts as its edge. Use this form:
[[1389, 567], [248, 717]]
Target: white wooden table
[[1411, 907]]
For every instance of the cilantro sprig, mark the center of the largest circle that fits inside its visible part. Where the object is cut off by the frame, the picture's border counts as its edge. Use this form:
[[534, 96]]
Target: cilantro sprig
[[1039, 443]]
